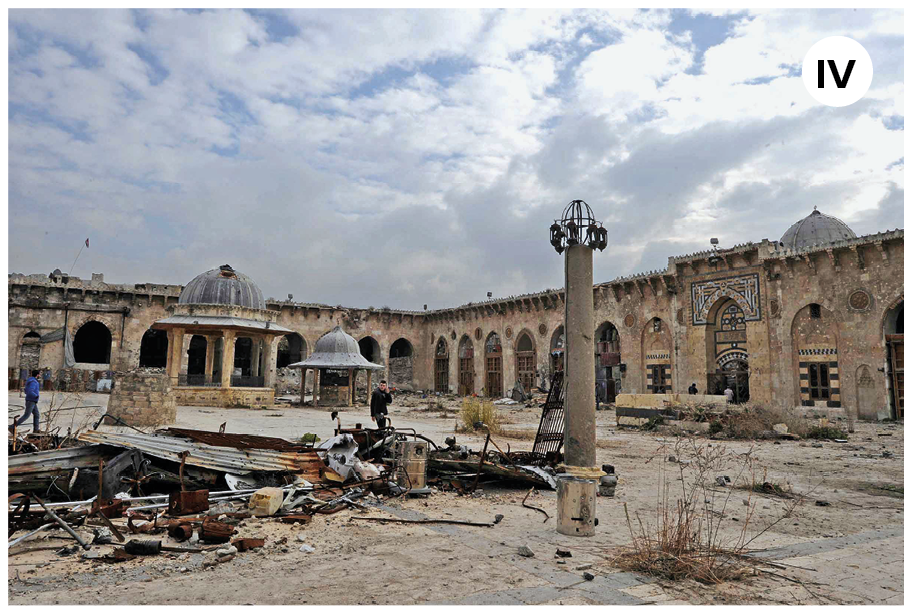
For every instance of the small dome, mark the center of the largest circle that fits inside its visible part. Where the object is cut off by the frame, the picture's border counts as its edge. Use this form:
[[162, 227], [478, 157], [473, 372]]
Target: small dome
[[336, 350], [816, 229], [336, 341], [223, 286]]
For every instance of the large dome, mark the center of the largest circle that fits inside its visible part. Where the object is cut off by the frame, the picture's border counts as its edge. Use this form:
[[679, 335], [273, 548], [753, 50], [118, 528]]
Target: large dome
[[816, 229], [223, 286]]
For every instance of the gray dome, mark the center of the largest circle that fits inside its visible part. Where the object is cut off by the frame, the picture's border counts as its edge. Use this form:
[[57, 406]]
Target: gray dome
[[816, 229], [336, 350], [223, 286]]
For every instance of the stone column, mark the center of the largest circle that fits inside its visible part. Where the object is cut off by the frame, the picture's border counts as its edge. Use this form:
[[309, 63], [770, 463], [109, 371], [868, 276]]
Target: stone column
[[210, 356], [303, 387], [255, 350], [227, 358], [175, 353], [269, 361], [316, 387], [576, 489]]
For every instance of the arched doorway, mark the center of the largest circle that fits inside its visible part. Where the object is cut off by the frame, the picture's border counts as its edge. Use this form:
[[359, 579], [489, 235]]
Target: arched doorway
[[291, 349], [196, 361], [400, 364], [92, 344], [493, 366], [525, 361], [370, 349], [815, 343], [557, 349], [466, 367], [441, 367], [727, 351], [607, 362], [153, 349], [893, 337]]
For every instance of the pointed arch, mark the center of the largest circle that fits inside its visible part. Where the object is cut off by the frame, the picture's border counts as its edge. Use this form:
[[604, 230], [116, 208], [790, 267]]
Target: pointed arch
[[493, 365], [441, 367], [466, 372], [525, 360], [92, 343]]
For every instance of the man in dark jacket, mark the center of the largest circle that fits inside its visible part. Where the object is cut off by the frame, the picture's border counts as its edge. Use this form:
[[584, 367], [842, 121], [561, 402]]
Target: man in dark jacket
[[693, 388], [379, 400], [31, 401]]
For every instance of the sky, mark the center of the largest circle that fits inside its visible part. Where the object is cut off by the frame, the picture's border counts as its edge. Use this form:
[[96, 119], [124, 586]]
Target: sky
[[408, 157]]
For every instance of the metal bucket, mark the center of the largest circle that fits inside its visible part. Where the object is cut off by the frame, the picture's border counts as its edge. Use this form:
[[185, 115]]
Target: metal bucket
[[576, 506]]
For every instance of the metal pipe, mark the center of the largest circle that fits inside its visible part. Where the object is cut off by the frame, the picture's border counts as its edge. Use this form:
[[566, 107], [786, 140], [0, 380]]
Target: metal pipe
[[27, 535], [65, 526]]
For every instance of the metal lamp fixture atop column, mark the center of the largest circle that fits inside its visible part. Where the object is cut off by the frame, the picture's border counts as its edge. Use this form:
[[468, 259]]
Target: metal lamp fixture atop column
[[578, 226], [578, 234]]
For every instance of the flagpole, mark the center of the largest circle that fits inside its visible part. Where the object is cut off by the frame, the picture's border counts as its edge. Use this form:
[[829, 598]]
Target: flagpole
[[75, 259]]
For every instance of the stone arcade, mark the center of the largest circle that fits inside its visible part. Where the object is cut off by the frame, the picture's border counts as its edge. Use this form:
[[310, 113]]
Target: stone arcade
[[814, 319]]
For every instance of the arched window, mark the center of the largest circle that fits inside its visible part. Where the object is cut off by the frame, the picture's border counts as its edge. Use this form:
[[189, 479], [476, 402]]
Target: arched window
[[493, 366], [291, 350], [92, 343], [153, 349], [525, 361], [441, 367]]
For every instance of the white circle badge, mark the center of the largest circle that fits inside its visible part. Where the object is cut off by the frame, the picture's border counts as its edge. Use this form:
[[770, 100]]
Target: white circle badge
[[837, 71]]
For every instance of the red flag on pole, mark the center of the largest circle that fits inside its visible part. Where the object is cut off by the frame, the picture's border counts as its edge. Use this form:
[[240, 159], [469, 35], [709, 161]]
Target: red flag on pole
[[87, 242]]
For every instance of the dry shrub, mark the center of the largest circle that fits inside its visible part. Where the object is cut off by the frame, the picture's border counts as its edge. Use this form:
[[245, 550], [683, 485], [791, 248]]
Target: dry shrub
[[755, 419], [685, 537], [524, 434], [476, 410]]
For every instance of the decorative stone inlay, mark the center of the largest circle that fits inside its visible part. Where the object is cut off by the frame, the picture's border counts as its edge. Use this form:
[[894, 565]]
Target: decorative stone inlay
[[629, 320], [509, 332], [478, 334], [743, 289], [542, 329], [775, 308], [859, 300]]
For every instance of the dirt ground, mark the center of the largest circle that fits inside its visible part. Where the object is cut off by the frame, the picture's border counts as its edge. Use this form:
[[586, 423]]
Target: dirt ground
[[849, 550]]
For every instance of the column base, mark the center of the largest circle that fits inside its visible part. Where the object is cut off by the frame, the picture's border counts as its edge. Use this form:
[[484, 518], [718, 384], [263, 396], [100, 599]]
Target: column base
[[576, 505]]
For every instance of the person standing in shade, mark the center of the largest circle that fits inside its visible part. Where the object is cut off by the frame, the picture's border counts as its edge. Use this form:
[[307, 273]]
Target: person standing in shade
[[729, 394], [31, 401], [379, 400], [693, 388]]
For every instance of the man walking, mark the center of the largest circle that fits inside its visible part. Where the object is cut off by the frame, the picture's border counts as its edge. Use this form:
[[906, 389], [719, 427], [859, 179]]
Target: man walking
[[379, 400], [31, 401]]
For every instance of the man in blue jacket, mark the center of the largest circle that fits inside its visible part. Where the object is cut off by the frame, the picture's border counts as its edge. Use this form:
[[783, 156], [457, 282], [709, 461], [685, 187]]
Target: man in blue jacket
[[32, 387]]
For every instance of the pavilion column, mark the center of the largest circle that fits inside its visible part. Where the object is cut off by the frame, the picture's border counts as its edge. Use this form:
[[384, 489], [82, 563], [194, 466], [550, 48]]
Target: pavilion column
[[269, 361], [370, 372], [175, 352], [227, 358], [255, 350], [351, 386], [185, 354], [210, 356], [316, 390], [303, 387]]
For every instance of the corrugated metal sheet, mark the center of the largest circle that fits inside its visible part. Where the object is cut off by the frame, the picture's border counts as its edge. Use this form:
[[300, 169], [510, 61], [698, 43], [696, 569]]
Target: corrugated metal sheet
[[217, 458], [53, 461], [236, 440], [223, 322]]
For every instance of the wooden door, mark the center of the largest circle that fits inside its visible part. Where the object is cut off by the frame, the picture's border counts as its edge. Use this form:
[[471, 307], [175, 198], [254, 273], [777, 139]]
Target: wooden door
[[895, 343], [494, 381], [442, 375], [525, 370], [466, 377]]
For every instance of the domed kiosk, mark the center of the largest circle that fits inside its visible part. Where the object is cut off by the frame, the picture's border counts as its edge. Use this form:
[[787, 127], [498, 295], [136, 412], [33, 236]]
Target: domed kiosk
[[815, 229], [222, 342], [335, 361]]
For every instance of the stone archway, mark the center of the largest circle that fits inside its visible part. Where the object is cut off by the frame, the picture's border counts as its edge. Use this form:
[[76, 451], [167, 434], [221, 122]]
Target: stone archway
[[894, 327], [727, 354], [153, 349], [401, 358], [525, 360], [607, 362], [92, 343], [815, 358], [30, 351]]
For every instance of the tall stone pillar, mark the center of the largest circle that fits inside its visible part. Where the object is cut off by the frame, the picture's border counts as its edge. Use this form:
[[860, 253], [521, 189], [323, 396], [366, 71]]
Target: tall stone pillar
[[579, 234], [269, 361], [303, 381], [227, 358], [579, 365]]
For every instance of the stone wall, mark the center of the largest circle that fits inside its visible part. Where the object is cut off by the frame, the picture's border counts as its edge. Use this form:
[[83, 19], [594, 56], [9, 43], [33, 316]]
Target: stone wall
[[143, 399], [205, 396]]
